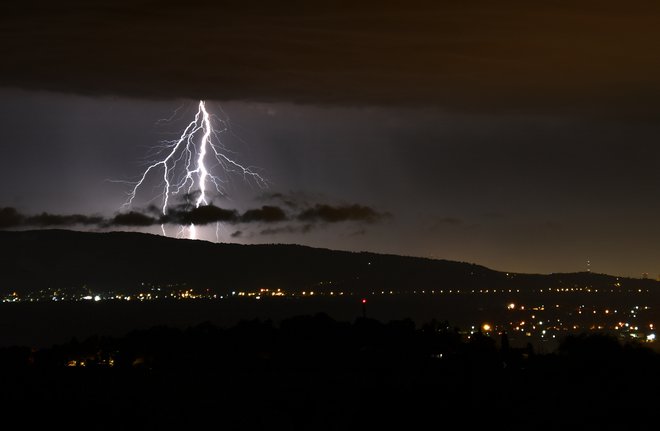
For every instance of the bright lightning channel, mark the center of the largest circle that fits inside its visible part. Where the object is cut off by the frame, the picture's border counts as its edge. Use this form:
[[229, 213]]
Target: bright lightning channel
[[184, 166]]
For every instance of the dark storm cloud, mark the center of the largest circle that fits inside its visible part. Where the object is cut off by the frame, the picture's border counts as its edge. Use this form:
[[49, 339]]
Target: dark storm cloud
[[311, 218], [265, 214], [286, 199], [48, 220], [321, 215], [335, 214], [478, 54], [203, 215], [132, 219], [10, 217]]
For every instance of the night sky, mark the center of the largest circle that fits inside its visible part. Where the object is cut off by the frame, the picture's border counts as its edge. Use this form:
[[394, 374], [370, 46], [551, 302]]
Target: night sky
[[520, 136]]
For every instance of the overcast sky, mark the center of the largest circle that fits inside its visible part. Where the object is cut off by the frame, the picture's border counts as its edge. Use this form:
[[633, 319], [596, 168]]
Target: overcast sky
[[521, 137]]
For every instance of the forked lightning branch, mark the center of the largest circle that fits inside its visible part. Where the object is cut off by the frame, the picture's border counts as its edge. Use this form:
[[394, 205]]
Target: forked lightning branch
[[195, 164]]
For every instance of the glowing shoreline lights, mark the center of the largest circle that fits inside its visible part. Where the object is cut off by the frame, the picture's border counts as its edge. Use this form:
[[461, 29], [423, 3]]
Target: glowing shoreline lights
[[184, 165]]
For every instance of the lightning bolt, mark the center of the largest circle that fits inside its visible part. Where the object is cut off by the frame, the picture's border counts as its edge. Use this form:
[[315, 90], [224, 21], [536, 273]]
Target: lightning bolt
[[183, 163]]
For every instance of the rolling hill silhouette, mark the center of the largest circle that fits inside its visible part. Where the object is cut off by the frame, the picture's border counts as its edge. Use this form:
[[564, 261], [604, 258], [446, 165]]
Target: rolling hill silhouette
[[61, 258]]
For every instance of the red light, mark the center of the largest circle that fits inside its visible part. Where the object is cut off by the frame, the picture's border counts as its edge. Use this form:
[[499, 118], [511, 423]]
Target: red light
[[364, 301]]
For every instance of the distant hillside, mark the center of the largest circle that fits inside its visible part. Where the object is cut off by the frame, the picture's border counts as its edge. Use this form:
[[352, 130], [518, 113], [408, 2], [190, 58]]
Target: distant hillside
[[57, 258]]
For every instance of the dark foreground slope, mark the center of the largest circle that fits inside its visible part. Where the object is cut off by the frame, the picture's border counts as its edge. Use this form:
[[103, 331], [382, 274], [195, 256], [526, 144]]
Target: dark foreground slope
[[315, 373], [32, 260]]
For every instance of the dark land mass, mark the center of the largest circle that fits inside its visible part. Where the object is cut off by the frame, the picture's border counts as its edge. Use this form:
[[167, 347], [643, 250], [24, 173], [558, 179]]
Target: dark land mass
[[40, 264], [32, 260], [313, 372], [251, 365]]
